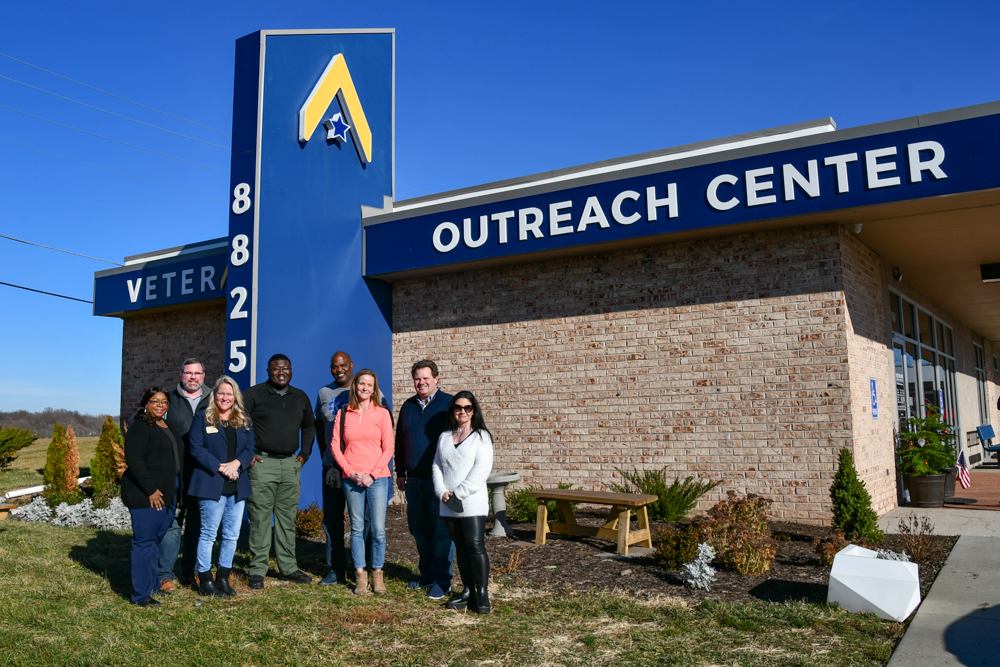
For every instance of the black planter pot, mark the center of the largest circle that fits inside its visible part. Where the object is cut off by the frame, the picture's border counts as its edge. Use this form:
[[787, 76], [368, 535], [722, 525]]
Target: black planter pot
[[949, 483], [926, 491]]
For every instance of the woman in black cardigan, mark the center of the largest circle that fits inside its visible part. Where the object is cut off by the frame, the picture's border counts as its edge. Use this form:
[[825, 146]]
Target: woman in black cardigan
[[149, 488]]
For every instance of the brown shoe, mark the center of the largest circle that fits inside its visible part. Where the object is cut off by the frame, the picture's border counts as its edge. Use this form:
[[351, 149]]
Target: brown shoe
[[377, 584], [362, 586], [168, 586]]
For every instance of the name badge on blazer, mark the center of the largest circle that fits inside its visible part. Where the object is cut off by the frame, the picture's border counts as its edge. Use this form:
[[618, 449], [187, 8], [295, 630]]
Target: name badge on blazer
[[211, 429]]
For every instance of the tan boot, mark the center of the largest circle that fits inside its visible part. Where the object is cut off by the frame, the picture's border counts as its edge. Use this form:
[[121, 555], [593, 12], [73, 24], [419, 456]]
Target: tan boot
[[377, 582], [362, 586]]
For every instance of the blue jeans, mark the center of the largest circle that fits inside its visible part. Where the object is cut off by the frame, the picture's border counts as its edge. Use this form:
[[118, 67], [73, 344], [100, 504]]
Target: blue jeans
[[372, 502], [436, 551], [149, 526], [227, 511]]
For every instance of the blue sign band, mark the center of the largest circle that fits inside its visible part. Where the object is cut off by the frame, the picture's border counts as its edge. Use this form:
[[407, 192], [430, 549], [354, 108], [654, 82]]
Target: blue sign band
[[941, 159]]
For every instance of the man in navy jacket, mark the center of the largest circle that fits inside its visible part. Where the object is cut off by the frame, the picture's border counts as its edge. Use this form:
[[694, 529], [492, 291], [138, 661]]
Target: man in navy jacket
[[422, 420]]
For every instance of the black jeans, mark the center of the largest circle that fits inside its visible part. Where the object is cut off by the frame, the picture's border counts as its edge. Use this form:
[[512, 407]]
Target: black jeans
[[469, 535]]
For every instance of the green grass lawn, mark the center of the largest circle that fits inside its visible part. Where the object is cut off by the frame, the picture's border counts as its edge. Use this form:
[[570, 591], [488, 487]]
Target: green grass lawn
[[26, 470], [64, 601]]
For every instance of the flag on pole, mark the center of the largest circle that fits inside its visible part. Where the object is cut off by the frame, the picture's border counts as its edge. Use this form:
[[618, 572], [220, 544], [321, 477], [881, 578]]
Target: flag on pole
[[963, 472]]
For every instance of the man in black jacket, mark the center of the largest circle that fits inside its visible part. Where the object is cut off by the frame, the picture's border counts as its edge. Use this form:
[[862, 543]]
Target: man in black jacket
[[282, 418], [188, 398]]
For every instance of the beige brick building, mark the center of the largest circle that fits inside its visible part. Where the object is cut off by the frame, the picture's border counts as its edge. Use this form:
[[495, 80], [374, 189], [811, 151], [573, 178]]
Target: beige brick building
[[745, 351]]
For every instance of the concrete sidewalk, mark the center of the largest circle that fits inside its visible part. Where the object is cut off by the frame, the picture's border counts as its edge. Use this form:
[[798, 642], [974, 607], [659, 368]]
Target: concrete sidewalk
[[958, 621]]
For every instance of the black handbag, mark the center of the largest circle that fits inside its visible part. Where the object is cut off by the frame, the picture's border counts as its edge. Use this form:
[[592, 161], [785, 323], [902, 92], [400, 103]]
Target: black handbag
[[333, 477]]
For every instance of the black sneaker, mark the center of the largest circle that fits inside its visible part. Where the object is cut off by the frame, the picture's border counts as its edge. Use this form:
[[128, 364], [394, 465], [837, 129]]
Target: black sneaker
[[256, 582], [298, 577], [148, 602]]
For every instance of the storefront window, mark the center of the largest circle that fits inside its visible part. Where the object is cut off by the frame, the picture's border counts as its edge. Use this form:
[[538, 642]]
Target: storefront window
[[924, 351], [926, 328]]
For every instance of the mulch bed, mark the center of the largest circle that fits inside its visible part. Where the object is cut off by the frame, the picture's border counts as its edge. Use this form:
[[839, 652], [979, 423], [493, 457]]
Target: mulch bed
[[586, 564]]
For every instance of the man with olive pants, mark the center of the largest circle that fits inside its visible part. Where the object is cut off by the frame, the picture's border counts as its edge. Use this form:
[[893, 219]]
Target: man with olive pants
[[282, 419]]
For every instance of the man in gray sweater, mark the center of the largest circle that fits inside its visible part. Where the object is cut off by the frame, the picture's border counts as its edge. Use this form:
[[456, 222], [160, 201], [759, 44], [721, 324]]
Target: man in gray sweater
[[186, 400]]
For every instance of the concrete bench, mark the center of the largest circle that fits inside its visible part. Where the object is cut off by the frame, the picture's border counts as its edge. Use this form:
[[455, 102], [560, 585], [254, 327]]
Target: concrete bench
[[616, 528]]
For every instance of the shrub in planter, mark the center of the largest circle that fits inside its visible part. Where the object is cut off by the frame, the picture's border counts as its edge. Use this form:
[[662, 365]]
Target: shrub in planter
[[852, 506], [674, 501], [12, 441], [927, 447]]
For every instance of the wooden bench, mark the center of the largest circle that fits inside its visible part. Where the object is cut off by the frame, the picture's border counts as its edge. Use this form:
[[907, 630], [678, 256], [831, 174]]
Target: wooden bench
[[616, 528]]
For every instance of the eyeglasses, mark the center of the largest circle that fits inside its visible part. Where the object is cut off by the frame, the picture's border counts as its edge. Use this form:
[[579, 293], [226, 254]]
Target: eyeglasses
[[465, 408], [159, 403], [193, 373]]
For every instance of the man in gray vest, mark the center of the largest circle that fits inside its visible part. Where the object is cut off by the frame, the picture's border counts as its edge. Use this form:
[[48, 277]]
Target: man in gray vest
[[188, 398]]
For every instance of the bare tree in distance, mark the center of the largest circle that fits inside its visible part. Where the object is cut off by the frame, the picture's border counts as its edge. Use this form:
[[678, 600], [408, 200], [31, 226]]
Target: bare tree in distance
[[86, 426]]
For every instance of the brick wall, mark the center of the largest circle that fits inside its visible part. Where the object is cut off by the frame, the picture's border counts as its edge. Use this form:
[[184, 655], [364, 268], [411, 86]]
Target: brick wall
[[155, 345], [723, 358], [871, 439]]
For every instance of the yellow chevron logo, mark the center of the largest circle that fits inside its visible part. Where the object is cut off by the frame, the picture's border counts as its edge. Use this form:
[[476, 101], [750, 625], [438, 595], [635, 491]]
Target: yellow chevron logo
[[336, 82]]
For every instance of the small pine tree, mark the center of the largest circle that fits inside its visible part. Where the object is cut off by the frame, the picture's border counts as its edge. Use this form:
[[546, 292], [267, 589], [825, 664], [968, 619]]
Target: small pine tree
[[62, 467], [12, 441], [72, 465], [104, 467], [852, 506], [55, 456]]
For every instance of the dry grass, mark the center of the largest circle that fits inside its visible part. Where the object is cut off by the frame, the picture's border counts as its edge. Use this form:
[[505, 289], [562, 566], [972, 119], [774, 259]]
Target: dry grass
[[63, 596]]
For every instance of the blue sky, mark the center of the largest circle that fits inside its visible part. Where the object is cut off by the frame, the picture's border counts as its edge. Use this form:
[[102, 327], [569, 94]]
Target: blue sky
[[484, 91]]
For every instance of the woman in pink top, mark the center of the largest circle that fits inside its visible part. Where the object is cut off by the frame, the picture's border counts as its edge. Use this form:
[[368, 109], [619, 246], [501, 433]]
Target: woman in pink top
[[362, 447]]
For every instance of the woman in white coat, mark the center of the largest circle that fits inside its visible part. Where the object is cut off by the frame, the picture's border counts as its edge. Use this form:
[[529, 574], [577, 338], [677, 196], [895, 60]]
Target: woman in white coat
[[463, 461]]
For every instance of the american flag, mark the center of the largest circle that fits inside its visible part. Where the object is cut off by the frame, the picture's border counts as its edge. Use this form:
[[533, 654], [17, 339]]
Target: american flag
[[963, 472]]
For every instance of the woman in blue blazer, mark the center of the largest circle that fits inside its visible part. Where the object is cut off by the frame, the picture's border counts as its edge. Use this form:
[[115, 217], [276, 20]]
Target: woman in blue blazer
[[223, 449]]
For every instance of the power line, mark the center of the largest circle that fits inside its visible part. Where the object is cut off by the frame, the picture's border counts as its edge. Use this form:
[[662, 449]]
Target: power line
[[61, 296], [118, 97], [112, 113], [68, 252], [123, 143], [97, 166]]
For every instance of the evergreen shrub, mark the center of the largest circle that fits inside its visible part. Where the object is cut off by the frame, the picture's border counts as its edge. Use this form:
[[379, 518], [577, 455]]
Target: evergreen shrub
[[673, 501], [62, 468], [852, 506], [108, 464], [12, 441]]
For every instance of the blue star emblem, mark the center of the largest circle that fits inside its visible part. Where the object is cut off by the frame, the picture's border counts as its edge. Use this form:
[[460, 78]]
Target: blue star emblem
[[336, 128]]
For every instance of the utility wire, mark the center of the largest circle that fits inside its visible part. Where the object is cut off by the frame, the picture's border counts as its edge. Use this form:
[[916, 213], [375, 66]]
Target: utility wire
[[112, 113], [61, 296], [118, 97], [68, 252], [97, 166], [101, 136]]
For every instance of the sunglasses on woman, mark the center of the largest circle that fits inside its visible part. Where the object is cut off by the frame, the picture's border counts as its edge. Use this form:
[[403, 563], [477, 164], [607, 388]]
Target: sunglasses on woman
[[465, 408]]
